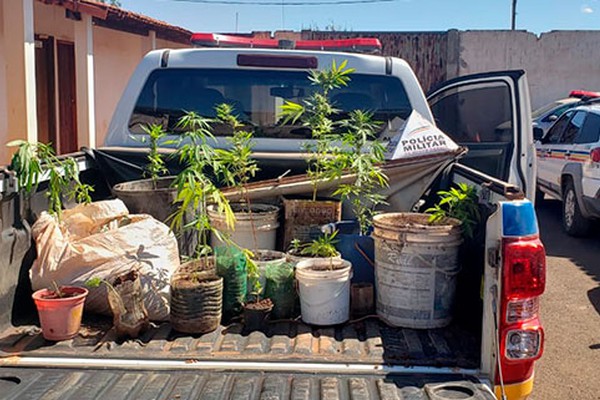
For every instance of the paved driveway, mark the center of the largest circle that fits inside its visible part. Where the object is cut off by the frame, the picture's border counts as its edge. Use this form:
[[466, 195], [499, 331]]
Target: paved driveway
[[570, 367]]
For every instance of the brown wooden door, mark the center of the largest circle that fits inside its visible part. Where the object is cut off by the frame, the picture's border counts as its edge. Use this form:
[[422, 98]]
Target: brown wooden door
[[45, 86], [67, 97]]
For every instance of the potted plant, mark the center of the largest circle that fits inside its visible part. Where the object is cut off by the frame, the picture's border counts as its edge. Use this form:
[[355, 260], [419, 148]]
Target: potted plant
[[256, 308], [416, 260], [125, 299], [255, 224], [304, 217], [196, 290], [154, 194], [60, 310], [323, 246], [324, 283]]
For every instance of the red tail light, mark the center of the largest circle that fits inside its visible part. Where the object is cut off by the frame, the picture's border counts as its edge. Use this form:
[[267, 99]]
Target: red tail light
[[521, 333], [524, 268], [595, 154]]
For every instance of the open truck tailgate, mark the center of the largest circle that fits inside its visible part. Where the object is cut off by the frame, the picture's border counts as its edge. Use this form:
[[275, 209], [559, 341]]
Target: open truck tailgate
[[83, 384]]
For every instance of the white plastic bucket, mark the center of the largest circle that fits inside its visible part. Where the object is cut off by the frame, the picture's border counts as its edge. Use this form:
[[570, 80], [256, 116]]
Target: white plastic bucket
[[255, 230], [324, 292], [416, 265]]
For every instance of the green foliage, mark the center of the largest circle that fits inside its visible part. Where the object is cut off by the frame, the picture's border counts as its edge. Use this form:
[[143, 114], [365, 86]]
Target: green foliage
[[253, 275], [460, 203], [238, 165], [315, 112], [323, 246], [195, 189], [362, 155], [33, 161], [94, 282], [156, 163]]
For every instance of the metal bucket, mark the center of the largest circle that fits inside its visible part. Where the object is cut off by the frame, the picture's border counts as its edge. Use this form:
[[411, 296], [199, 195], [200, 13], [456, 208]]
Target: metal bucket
[[416, 266]]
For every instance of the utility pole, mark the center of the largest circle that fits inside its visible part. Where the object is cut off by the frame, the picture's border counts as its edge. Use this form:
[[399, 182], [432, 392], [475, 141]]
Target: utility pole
[[513, 24]]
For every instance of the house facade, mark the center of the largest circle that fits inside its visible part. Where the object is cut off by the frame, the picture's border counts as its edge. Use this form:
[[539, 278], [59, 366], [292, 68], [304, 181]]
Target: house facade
[[65, 64]]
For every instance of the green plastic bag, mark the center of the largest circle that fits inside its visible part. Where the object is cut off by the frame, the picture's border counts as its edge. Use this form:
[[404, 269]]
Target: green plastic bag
[[231, 266], [281, 289]]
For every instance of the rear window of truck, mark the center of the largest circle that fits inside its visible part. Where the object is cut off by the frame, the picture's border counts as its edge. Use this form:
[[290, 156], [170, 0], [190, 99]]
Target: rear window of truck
[[257, 97]]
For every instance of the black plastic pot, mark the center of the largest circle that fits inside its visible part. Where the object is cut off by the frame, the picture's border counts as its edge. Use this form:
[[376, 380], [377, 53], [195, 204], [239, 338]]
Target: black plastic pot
[[196, 297], [256, 315]]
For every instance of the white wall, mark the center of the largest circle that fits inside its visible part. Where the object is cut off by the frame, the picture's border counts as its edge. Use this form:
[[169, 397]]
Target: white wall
[[116, 54], [3, 88], [556, 62]]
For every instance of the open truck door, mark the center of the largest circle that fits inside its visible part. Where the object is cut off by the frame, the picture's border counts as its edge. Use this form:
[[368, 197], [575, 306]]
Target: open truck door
[[490, 114]]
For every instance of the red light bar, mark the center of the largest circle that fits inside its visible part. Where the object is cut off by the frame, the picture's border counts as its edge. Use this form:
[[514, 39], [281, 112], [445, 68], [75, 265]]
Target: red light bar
[[584, 94], [364, 45]]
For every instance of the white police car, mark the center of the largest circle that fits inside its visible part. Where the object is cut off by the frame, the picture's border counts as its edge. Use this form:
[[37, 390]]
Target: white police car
[[569, 166]]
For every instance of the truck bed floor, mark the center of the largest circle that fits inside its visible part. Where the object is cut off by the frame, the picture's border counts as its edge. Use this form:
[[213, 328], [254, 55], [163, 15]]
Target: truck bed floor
[[368, 341], [81, 384]]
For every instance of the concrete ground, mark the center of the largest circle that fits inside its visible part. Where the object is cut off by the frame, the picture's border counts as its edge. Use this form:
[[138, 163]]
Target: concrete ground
[[570, 366]]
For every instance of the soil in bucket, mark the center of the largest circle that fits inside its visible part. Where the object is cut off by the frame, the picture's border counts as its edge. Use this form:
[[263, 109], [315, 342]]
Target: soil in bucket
[[256, 314], [324, 289], [416, 265], [196, 297], [255, 227], [60, 317]]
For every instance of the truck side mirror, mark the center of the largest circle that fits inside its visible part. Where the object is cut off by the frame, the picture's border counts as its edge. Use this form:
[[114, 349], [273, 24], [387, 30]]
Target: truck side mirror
[[538, 133]]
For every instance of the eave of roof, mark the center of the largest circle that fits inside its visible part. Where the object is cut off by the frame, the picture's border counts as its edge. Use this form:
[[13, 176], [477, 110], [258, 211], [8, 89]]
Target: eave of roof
[[112, 17]]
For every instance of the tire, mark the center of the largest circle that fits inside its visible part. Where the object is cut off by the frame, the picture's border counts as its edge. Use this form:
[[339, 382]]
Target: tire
[[574, 223]]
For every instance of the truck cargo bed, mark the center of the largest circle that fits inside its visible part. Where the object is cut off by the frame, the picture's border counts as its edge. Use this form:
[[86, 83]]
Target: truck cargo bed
[[366, 341]]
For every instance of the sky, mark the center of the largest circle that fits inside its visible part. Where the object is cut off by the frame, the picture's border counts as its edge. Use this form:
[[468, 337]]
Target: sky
[[380, 15]]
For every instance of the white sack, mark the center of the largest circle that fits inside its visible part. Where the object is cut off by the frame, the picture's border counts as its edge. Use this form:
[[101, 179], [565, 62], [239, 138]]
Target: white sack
[[414, 137], [89, 243]]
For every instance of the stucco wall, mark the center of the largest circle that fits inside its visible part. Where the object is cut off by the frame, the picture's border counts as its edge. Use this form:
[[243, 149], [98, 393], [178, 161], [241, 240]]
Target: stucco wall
[[116, 54], [3, 89], [50, 20], [556, 62]]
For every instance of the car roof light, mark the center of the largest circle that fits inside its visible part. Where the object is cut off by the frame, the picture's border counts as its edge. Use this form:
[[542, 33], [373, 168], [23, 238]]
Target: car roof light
[[362, 45], [584, 94]]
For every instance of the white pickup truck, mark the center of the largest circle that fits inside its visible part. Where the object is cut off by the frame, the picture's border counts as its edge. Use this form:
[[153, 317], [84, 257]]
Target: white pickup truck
[[490, 348]]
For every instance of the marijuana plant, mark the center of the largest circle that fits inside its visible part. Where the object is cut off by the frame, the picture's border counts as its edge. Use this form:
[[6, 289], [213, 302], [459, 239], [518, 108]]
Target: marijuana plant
[[460, 203], [315, 112], [323, 246], [195, 189], [156, 163], [33, 161], [362, 155], [238, 164]]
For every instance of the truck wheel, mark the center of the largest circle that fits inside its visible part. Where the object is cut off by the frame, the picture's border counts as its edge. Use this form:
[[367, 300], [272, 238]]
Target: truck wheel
[[574, 223]]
